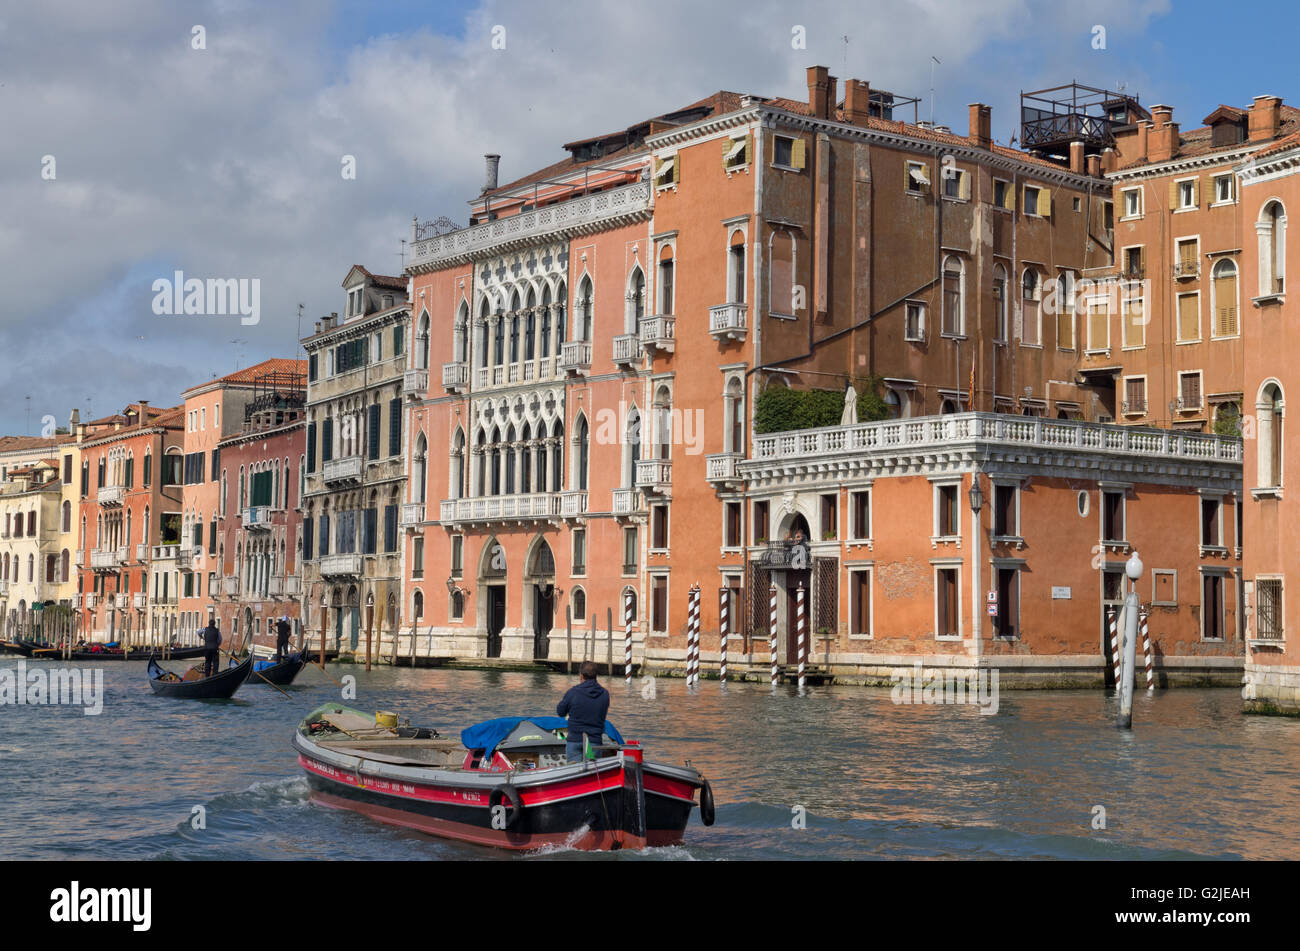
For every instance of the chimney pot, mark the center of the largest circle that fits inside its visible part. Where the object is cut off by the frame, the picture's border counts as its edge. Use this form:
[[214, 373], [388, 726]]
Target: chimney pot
[[857, 101], [818, 91], [981, 125], [1265, 118], [1076, 157]]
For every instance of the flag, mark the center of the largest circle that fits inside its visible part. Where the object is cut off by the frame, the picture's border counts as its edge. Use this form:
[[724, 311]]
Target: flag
[[971, 399]]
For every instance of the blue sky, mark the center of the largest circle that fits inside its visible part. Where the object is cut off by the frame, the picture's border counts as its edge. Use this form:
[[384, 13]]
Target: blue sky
[[225, 162]]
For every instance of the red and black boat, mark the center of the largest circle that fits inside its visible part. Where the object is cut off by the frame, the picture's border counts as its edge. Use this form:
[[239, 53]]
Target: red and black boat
[[505, 782]]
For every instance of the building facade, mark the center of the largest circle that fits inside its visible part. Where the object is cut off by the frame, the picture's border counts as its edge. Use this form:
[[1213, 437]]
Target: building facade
[[355, 473]]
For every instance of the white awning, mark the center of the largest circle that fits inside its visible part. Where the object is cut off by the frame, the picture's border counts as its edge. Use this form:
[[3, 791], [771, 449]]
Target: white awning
[[665, 168], [918, 175], [737, 146]]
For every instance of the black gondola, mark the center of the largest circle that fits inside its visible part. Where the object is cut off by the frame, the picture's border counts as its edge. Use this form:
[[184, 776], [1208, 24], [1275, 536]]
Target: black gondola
[[220, 686], [281, 674], [139, 653]]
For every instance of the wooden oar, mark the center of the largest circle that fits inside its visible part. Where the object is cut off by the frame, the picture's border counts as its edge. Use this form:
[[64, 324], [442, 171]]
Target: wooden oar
[[276, 686]]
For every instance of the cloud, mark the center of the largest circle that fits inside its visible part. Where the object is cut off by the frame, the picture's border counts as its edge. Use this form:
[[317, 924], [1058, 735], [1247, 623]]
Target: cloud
[[225, 162]]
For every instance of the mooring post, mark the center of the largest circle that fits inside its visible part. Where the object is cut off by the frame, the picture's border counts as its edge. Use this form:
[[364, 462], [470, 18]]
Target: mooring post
[[627, 638], [1132, 568], [568, 638], [609, 642]]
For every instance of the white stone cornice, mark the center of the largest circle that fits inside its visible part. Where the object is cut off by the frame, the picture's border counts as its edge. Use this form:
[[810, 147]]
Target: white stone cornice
[[1187, 164]]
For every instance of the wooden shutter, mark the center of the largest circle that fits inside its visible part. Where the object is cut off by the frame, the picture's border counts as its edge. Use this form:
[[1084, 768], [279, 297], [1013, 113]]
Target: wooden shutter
[[1011, 197], [797, 154], [1225, 305], [1196, 193], [1064, 325], [1173, 194], [1134, 331], [963, 185], [1189, 317], [749, 149], [1044, 203], [1097, 326], [677, 168]]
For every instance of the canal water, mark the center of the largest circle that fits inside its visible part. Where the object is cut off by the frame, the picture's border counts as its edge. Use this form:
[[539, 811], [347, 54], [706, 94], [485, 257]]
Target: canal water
[[840, 773]]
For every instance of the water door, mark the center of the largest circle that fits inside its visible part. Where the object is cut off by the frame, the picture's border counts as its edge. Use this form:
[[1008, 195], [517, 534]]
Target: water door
[[496, 618], [543, 618], [792, 581]]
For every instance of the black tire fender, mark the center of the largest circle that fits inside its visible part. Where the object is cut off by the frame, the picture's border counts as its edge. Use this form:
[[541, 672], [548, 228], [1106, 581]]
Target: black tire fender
[[506, 792], [707, 810]]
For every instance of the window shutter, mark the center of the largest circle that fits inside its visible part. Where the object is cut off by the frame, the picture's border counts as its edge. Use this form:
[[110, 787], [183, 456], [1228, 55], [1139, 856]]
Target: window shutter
[[677, 168], [311, 447], [797, 157], [395, 427], [1064, 328], [372, 434], [1097, 327], [1045, 202], [749, 149], [726, 150], [1188, 317], [327, 440], [1196, 193], [1173, 194], [1225, 302], [1011, 197], [963, 185]]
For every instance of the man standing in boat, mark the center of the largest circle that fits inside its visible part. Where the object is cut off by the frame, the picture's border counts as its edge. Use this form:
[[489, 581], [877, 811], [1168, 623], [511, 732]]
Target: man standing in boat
[[586, 705], [281, 638], [211, 647]]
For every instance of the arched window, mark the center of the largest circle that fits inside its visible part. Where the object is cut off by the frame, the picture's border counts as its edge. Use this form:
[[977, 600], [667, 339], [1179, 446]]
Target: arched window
[[666, 280], [421, 468], [999, 303], [1270, 229], [422, 343], [417, 605], [781, 293], [509, 450], [561, 302], [663, 423], [483, 314], [514, 328], [557, 456], [462, 335], [635, 301], [736, 267], [1224, 303], [530, 325], [457, 465], [734, 435], [65, 524], [481, 459], [1064, 306], [583, 447], [457, 605], [582, 309], [1271, 411], [64, 562], [632, 439], [954, 296], [579, 605], [1031, 334], [544, 345]]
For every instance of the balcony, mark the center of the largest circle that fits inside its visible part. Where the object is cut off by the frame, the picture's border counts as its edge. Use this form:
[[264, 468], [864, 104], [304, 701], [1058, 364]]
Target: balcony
[[727, 322], [721, 469], [256, 518], [412, 515], [1189, 404], [4, 588], [185, 557], [1133, 407], [166, 552], [656, 333], [340, 566], [1187, 270], [121, 601], [347, 469], [627, 349], [230, 586], [79, 558], [292, 586], [610, 208], [575, 356], [455, 377], [573, 504], [111, 494], [654, 475], [415, 383], [482, 376], [275, 587], [90, 601], [140, 600], [142, 552], [500, 508], [107, 559], [626, 502]]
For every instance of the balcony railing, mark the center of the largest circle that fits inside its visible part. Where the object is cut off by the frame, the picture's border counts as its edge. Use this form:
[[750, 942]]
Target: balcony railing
[[627, 349], [185, 557], [415, 383], [575, 356], [573, 503], [335, 566], [500, 508], [142, 552], [140, 600], [292, 586], [656, 333], [111, 494], [625, 501], [275, 587], [89, 599], [166, 552], [481, 377], [727, 322], [412, 514], [455, 376], [654, 475], [121, 600], [4, 588], [626, 204], [79, 558], [722, 468], [937, 432], [1188, 404], [108, 558], [347, 469], [256, 518], [1133, 407], [1187, 270], [230, 586]]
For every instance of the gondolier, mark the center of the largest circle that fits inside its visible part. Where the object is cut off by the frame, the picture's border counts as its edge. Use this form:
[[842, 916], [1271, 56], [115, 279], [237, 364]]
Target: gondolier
[[282, 638], [585, 704], [211, 647]]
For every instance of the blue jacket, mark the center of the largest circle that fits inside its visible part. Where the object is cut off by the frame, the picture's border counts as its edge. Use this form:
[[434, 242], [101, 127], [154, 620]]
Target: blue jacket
[[585, 704]]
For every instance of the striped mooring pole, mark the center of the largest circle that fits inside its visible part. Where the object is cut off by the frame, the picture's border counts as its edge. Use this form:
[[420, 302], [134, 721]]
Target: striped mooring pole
[[1146, 648], [693, 638], [799, 621], [627, 638], [1116, 657], [771, 633], [722, 635]]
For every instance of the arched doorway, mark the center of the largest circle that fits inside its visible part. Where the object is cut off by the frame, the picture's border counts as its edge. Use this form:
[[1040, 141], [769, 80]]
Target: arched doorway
[[792, 569], [539, 586], [353, 614], [492, 585]]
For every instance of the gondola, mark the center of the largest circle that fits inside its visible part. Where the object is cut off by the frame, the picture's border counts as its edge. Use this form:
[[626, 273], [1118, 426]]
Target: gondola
[[139, 653], [220, 686], [281, 674]]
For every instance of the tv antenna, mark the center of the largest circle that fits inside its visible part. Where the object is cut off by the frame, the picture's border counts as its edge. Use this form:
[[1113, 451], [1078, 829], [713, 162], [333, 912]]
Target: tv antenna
[[934, 60]]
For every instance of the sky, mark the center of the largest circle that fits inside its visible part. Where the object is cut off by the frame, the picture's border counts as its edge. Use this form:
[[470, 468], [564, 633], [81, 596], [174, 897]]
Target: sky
[[144, 137]]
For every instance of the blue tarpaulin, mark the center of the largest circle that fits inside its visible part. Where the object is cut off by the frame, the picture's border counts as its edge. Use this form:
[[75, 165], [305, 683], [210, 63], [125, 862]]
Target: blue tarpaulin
[[486, 735]]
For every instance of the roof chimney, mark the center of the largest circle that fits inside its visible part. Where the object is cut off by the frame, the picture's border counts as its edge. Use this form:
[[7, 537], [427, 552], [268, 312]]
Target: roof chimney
[[981, 125], [1094, 166], [857, 101], [819, 91], [1163, 140], [1076, 157], [1144, 132], [1265, 118], [1109, 160], [491, 162]]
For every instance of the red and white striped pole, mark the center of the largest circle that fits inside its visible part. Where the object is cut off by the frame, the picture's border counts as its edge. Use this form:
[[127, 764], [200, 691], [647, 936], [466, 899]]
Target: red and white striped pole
[[722, 635], [1116, 657], [1146, 647], [693, 637], [771, 634], [627, 638], [799, 621]]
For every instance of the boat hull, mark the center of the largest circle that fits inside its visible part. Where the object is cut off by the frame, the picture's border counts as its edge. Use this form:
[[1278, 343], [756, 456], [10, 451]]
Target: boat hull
[[598, 806], [281, 675], [220, 686]]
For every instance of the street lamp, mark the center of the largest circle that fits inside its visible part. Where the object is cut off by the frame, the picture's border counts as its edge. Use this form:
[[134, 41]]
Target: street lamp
[[976, 494]]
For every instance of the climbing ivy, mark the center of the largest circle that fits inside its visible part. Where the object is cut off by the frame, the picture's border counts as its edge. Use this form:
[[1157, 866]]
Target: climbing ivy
[[780, 409]]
